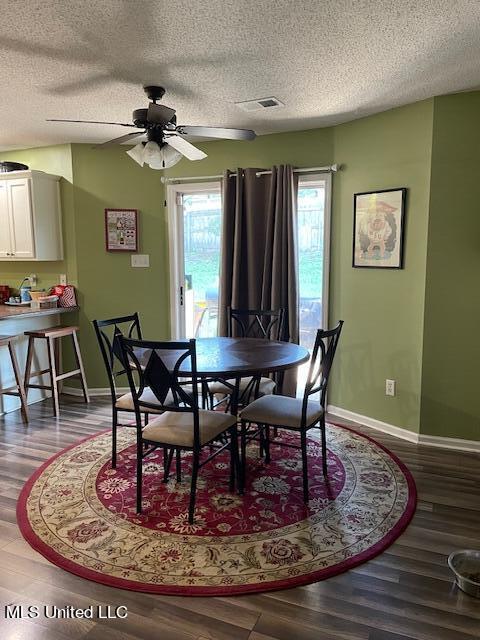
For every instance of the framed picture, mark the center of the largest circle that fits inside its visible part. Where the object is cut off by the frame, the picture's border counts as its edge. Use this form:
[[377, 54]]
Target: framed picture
[[378, 229], [121, 229]]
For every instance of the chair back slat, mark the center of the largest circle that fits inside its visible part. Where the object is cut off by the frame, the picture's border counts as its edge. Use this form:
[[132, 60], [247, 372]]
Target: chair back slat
[[108, 333], [158, 366], [256, 323], [324, 349]]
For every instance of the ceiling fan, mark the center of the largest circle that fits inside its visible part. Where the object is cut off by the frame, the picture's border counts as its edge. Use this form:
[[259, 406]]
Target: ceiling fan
[[165, 144]]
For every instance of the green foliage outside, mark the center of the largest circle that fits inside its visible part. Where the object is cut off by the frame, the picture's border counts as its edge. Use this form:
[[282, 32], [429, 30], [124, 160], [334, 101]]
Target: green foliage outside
[[204, 270]]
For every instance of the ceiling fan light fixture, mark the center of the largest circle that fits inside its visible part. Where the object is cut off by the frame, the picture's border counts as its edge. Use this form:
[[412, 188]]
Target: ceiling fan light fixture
[[152, 152], [137, 153], [170, 156], [155, 156]]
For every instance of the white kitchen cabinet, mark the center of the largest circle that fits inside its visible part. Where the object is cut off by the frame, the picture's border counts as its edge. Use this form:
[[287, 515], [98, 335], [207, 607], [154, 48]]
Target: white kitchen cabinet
[[30, 216], [5, 243]]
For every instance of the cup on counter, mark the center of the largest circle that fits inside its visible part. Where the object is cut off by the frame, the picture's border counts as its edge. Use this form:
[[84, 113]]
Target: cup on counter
[[25, 294]]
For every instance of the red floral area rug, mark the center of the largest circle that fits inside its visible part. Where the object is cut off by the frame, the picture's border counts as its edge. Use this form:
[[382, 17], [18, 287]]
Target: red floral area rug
[[80, 514]]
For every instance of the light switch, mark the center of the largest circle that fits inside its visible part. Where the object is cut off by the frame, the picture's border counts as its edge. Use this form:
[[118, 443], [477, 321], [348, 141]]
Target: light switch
[[140, 260]]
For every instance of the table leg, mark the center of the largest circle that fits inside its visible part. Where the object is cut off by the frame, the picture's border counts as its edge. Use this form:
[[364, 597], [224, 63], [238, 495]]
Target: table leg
[[243, 455], [205, 394], [234, 398]]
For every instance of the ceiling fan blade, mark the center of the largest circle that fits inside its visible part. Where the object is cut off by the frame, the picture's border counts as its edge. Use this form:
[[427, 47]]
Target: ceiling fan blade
[[128, 136], [118, 124], [217, 132], [159, 113], [185, 148]]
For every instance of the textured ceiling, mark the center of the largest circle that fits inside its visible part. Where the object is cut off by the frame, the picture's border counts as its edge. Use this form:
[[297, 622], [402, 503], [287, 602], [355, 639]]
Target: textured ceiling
[[329, 61]]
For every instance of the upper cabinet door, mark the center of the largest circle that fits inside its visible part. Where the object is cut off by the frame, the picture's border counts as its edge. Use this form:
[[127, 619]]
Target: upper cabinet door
[[5, 240], [21, 218]]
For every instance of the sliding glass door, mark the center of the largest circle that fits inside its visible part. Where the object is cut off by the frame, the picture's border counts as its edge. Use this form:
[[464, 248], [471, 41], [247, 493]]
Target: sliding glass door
[[195, 216]]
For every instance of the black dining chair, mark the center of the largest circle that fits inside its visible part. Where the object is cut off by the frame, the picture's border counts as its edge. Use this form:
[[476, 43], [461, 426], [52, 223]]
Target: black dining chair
[[266, 324], [295, 414], [182, 426], [108, 333]]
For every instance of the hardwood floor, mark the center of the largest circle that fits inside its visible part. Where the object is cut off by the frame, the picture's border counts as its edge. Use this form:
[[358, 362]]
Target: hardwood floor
[[406, 592]]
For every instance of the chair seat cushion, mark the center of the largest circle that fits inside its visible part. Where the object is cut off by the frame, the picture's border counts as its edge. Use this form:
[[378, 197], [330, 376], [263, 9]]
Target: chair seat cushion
[[281, 411], [176, 429], [266, 387], [125, 402]]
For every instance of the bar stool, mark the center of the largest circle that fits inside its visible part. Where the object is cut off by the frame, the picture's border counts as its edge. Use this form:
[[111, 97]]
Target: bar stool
[[51, 335], [19, 389]]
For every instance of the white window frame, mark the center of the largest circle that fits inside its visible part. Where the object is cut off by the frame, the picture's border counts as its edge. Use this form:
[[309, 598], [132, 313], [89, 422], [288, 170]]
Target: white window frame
[[175, 248], [310, 179]]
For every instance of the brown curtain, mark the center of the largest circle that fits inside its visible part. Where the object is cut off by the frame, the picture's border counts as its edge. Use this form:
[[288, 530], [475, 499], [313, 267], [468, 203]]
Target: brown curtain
[[259, 263]]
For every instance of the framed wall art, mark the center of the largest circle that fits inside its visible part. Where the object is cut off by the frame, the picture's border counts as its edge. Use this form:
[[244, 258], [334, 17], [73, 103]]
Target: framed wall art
[[378, 229], [121, 229]]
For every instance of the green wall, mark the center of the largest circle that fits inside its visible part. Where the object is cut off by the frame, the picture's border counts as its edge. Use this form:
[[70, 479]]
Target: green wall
[[108, 285], [395, 321], [382, 309], [300, 148], [451, 355]]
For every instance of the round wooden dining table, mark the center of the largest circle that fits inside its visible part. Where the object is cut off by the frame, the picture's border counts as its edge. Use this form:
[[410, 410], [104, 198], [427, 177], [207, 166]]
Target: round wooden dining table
[[235, 358]]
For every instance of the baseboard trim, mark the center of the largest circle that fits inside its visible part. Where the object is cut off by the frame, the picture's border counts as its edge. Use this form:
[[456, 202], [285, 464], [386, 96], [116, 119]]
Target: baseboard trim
[[456, 444], [473, 446], [378, 425], [46, 396]]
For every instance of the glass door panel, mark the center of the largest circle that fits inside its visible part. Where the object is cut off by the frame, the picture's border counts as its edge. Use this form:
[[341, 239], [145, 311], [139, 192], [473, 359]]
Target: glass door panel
[[313, 244], [195, 220], [202, 215]]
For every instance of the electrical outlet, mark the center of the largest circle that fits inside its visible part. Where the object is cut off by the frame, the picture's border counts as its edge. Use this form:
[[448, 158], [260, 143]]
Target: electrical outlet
[[63, 279], [33, 279], [390, 387]]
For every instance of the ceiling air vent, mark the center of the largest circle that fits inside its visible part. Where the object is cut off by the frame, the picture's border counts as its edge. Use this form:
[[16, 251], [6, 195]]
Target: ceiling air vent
[[259, 105]]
